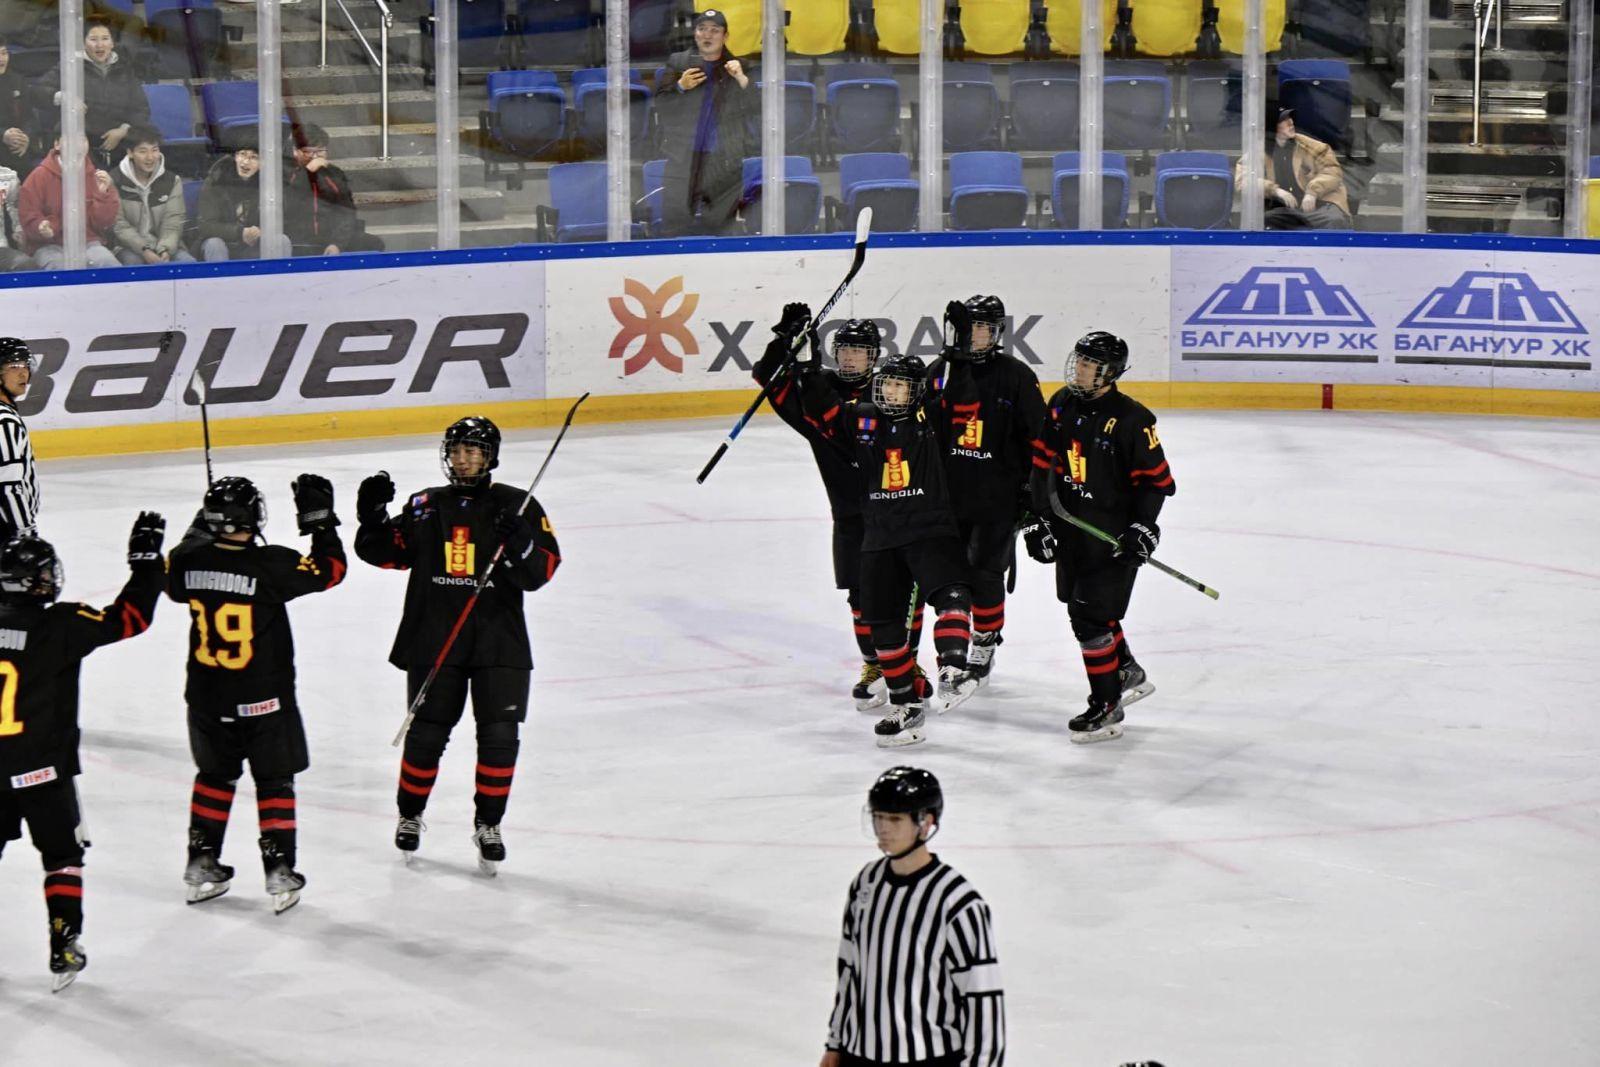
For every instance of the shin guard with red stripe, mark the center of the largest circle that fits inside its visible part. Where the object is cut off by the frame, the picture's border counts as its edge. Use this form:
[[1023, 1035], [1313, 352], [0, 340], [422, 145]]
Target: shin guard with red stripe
[[915, 637], [1100, 661], [863, 637], [952, 629], [419, 766], [210, 803], [990, 619], [497, 764], [1124, 654], [63, 896], [276, 808], [897, 660]]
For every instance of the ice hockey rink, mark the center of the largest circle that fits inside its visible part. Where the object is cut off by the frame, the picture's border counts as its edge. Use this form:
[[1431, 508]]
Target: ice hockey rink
[[1357, 824]]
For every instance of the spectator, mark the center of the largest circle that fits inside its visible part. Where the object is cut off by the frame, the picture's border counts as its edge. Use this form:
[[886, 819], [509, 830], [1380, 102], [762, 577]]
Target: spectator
[[1304, 183], [705, 102], [150, 221], [230, 201], [113, 95], [19, 138], [11, 224], [40, 205], [319, 208]]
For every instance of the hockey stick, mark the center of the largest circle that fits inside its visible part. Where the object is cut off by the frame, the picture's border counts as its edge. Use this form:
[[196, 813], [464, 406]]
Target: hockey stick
[[200, 389], [1096, 532], [483, 580], [863, 230]]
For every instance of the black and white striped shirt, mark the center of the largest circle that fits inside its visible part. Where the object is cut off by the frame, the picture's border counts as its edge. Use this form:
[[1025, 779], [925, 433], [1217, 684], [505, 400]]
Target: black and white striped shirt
[[19, 488], [918, 976]]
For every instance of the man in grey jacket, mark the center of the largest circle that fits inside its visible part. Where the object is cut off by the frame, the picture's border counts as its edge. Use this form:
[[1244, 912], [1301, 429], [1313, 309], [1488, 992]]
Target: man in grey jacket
[[151, 218]]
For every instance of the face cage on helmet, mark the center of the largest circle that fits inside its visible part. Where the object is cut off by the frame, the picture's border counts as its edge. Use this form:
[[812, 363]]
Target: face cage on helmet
[[20, 361], [1103, 376], [45, 587], [872, 361], [882, 403], [488, 451], [220, 525], [916, 816], [997, 337]]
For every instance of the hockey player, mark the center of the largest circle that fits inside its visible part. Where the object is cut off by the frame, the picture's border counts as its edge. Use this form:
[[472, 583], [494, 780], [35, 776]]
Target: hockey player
[[919, 981], [42, 646], [855, 346], [445, 536], [19, 487], [909, 541], [990, 410], [1101, 445], [241, 682]]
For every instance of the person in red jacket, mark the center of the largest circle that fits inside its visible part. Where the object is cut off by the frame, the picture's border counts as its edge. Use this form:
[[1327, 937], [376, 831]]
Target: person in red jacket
[[39, 205]]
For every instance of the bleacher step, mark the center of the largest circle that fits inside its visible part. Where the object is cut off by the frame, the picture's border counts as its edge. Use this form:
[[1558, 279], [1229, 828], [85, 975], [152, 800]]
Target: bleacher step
[[1497, 129], [1521, 34], [396, 207], [351, 109], [425, 237], [1505, 161]]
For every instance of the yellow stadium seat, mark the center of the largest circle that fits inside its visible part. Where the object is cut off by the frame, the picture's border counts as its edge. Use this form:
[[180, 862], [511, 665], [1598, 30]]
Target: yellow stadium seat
[[744, 23], [1065, 26], [817, 27], [899, 24], [1230, 24], [994, 27], [1167, 27], [1592, 187]]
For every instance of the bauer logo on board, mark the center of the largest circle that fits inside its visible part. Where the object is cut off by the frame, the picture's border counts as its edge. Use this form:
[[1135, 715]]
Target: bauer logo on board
[[652, 326]]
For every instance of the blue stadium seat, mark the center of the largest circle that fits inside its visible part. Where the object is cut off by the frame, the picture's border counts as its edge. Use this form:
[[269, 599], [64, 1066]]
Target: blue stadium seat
[[1114, 190], [589, 103], [799, 109], [971, 107], [1194, 190], [578, 196], [187, 36], [1044, 105], [170, 113], [802, 199], [1213, 115], [864, 108], [883, 182], [1594, 166], [483, 30], [1138, 105], [559, 32], [986, 191], [526, 117], [1319, 91], [229, 104]]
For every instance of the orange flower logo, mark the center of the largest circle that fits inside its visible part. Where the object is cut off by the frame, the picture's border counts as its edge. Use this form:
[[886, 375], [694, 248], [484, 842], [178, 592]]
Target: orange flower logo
[[654, 326]]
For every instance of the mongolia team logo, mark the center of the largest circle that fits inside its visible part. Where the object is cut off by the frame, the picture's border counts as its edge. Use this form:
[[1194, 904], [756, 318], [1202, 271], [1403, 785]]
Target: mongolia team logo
[[896, 470], [1077, 464], [1280, 296], [1486, 300], [969, 425], [460, 555], [653, 326]]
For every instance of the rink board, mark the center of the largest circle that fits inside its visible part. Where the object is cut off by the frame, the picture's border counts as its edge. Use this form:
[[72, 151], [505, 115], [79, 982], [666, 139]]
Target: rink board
[[399, 344]]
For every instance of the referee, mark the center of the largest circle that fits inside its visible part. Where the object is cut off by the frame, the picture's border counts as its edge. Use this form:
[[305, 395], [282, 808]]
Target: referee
[[19, 489], [918, 980]]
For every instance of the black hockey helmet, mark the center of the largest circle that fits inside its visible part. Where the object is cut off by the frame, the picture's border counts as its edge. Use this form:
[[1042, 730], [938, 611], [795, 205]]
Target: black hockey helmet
[[1107, 351], [480, 433], [30, 571], [234, 505], [857, 333], [14, 353], [991, 311], [907, 791], [907, 369]]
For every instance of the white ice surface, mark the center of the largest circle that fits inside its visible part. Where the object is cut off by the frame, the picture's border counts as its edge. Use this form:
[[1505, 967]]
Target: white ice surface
[[1358, 823]]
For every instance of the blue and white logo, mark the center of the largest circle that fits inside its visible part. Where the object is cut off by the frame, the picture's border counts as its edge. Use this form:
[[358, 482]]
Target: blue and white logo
[[1490, 300], [1280, 296]]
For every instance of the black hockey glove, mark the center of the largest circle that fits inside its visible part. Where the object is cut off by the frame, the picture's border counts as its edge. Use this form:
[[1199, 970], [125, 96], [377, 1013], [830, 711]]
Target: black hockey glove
[[810, 355], [957, 330], [313, 503], [516, 533], [372, 499], [1136, 544], [1040, 539], [793, 323], [144, 542], [199, 529]]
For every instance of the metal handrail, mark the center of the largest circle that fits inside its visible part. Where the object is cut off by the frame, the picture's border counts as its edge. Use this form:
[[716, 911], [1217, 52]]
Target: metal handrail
[[1481, 13], [380, 59]]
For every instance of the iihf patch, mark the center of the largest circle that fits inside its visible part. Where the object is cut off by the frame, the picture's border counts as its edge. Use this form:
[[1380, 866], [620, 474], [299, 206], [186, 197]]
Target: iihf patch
[[38, 777], [260, 707]]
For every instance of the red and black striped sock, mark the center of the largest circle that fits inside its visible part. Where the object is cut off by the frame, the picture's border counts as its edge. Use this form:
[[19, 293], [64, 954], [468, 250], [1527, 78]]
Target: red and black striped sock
[[495, 771], [1100, 661], [952, 633], [1125, 656], [417, 775], [916, 627], [210, 803], [276, 810], [989, 620], [63, 896], [899, 671], [863, 637]]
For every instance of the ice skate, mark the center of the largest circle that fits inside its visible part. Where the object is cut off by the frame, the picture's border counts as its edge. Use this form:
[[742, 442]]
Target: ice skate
[[872, 691], [955, 686], [67, 957], [491, 848], [205, 878], [1101, 722], [902, 726], [1135, 686], [407, 836], [283, 882], [980, 657]]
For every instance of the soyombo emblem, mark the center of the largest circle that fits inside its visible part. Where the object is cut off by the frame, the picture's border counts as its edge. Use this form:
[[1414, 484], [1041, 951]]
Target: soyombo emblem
[[896, 471], [655, 325], [1078, 464], [460, 555], [966, 420]]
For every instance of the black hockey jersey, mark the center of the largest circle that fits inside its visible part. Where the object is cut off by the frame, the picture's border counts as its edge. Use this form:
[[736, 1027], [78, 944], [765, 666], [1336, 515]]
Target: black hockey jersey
[[989, 414], [241, 650], [838, 473], [899, 467], [41, 649], [445, 536], [1108, 457]]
